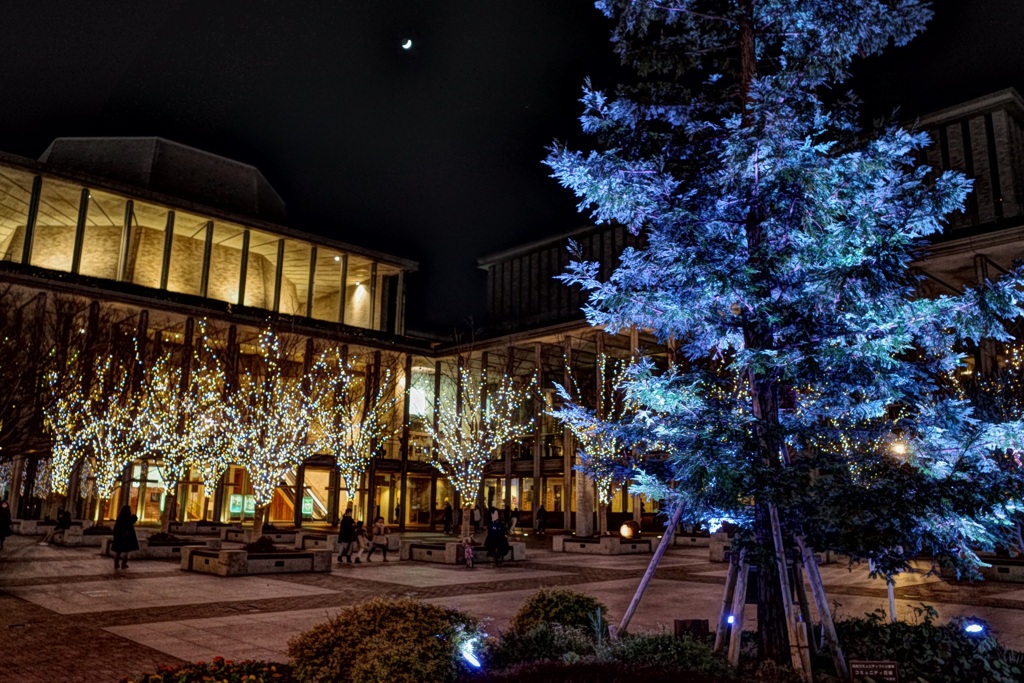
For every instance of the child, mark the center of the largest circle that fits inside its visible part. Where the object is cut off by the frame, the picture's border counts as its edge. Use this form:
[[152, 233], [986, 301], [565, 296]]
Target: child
[[467, 550], [361, 543]]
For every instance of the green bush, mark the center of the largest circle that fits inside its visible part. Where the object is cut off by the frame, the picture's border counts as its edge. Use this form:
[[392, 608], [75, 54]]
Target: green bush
[[219, 670], [544, 642], [591, 672], [392, 640], [666, 651], [557, 606], [936, 653]]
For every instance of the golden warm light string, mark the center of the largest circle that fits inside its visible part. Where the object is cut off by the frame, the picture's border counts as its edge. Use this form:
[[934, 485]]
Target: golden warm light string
[[468, 440]]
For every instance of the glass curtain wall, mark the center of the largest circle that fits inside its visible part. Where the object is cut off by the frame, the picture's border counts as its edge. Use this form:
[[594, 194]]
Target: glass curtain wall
[[15, 196], [327, 285], [295, 278], [145, 251], [188, 248], [102, 235], [225, 262], [261, 270], [53, 241]]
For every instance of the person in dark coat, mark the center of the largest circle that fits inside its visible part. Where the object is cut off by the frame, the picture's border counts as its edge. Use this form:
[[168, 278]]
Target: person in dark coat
[[125, 540], [6, 526], [449, 517], [347, 539], [496, 543], [542, 520]]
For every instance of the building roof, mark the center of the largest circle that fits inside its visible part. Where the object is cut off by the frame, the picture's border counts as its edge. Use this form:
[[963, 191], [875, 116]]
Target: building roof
[[173, 169]]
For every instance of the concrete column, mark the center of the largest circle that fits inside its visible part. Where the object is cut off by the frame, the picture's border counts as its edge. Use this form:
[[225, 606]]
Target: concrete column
[[538, 438]]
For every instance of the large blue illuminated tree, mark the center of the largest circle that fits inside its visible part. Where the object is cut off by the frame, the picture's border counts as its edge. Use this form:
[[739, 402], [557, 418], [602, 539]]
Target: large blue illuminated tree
[[812, 401]]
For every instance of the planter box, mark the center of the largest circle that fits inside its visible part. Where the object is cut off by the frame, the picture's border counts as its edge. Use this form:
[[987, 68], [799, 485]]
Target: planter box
[[602, 545], [244, 535], [1002, 569], [159, 551], [719, 546], [75, 536], [313, 540], [692, 540], [241, 563], [450, 552], [196, 528]]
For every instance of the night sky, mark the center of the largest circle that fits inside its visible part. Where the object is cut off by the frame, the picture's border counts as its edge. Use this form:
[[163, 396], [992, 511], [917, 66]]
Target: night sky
[[433, 153]]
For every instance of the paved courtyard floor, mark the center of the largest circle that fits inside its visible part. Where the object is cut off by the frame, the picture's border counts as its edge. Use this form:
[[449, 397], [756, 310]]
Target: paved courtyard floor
[[66, 615]]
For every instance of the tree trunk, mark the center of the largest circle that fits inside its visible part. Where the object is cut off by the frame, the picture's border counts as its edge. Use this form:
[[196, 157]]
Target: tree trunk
[[170, 502], [666, 540], [772, 620], [262, 515]]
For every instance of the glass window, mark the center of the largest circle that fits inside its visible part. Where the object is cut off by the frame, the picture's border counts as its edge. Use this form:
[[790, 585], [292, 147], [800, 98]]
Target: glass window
[[327, 285], [317, 495], [15, 195], [295, 277], [53, 243], [101, 240], [225, 262], [146, 245], [358, 292], [261, 270], [417, 496], [239, 503], [185, 273]]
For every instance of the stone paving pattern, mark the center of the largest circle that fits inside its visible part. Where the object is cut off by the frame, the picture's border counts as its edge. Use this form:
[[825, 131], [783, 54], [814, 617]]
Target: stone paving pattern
[[67, 616]]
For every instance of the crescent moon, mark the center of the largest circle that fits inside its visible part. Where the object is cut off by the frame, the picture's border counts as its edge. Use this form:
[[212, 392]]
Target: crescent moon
[[407, 44]]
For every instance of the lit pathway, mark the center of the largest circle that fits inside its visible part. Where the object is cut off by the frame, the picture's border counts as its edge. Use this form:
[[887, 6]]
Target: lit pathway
[[65, 615]]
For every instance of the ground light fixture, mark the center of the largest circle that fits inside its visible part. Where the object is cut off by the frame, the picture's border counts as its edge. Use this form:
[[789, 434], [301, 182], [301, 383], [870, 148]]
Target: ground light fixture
[[467, 653], [974, 628], [730, 619]]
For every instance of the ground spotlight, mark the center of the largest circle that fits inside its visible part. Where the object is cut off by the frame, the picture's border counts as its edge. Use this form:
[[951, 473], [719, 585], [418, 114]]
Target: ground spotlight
[[730, 619], [467, 654], [974, 628]]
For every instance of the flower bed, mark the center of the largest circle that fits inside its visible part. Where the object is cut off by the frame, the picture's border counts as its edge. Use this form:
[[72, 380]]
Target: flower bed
[[243, 563]]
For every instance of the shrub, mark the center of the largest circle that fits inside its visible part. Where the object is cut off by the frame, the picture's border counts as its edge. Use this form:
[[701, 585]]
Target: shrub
[[593, 672], [393, 640], [218, 671], [544, 642], [557, 606], [937, 653], [667, 651], [263, 544]]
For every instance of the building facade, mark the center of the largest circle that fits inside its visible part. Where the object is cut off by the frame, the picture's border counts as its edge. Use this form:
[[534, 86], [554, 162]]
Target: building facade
[[154, 236]]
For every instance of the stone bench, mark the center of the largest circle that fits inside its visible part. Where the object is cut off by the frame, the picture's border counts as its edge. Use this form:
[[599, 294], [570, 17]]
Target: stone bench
[[242, 563], [602, 545], [450, 552], [692, 540], [1001, 569], [196, 528], [719, 546], [244, 535], [159, 551], [316, 541]]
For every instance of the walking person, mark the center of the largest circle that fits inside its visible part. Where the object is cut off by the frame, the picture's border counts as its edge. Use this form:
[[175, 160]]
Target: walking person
[[513, 519], [62, 525], [6, 523], [476, 520], [125, 540], [380, 535], [347, 539], [361, 543], [496, 543], [542, 520], [448, 517]]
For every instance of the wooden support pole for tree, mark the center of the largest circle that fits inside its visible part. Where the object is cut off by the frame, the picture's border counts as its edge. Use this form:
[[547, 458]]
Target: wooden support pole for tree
[[890, 589], [787, 592], [723, 616], [739, 600], [666, 539], [821, 602], [805, 606]]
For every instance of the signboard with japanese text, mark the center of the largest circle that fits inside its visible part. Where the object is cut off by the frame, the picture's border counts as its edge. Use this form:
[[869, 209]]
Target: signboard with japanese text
[[879, 671]]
